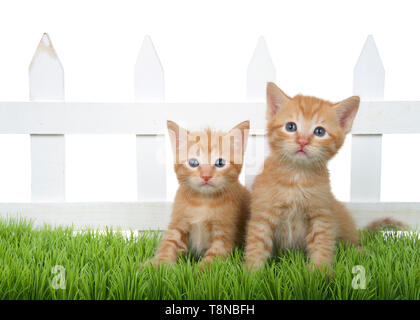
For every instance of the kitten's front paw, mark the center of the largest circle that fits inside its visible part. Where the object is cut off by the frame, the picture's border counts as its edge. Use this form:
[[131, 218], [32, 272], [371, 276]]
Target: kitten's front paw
[[156, 262], [254, 265], [322, 268], [204, 265]]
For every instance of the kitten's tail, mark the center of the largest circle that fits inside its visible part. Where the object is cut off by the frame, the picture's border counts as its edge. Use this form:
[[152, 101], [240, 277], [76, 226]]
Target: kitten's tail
[[385, 222]]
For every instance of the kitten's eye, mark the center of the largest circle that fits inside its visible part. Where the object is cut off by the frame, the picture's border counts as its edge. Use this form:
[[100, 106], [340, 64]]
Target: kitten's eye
[[319, 131], [193, 163], [291, 127], [220, 163]]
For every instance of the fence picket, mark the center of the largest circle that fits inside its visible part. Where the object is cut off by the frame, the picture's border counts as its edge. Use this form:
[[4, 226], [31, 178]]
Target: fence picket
[[46, 82], [151, 158], [260, 71], [369, 76]]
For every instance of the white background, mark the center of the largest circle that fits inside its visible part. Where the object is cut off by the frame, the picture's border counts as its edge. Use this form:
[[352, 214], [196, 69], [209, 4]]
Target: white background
[[204, 47]]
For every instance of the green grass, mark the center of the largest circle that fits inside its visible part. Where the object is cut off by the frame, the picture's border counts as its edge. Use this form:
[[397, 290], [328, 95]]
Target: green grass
[[107, 266]]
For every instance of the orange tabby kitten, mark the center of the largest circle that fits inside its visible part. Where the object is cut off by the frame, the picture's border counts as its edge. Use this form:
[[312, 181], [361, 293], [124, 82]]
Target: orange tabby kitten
[[211, 206], [292, 204]]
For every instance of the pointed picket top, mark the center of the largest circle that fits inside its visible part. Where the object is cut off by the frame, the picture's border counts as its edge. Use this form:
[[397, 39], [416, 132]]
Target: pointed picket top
[[46, 74], [148, 74], [369, 72], [260, 71]]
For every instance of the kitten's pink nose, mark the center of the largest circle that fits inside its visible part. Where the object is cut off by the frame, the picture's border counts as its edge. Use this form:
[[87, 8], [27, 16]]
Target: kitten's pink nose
[[303, 142], [206, 177], [206, 172]]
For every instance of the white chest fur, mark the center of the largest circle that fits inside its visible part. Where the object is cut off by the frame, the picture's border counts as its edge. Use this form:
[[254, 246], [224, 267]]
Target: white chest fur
[[291, 231], [199, 236]]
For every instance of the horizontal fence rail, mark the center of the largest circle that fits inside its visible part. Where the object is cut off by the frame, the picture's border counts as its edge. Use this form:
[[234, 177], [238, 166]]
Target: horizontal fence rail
[[47, 118], [374, 117]]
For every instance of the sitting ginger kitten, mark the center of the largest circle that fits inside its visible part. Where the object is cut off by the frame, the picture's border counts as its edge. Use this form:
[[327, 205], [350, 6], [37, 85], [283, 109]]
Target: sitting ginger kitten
[[292, 204], [211, 207]]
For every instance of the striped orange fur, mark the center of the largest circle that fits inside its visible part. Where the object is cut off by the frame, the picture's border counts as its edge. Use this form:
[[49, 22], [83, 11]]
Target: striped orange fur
[[292, 204], [211, 207]]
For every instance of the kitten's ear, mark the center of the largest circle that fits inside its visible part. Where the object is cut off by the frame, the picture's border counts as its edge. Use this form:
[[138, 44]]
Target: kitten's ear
[[346, 112], [275, 99], [179, 140], [240, 138]]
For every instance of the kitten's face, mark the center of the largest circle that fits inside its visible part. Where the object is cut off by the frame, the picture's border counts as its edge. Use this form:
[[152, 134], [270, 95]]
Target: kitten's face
[[306, 130], [208, 161]]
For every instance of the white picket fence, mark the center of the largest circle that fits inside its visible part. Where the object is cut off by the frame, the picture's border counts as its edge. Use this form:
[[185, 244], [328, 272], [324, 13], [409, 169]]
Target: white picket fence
[[47, 118]]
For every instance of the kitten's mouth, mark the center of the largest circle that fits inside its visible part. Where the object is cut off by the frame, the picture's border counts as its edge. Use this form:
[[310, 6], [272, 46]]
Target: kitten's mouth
[[301, 152], [206, 184]]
